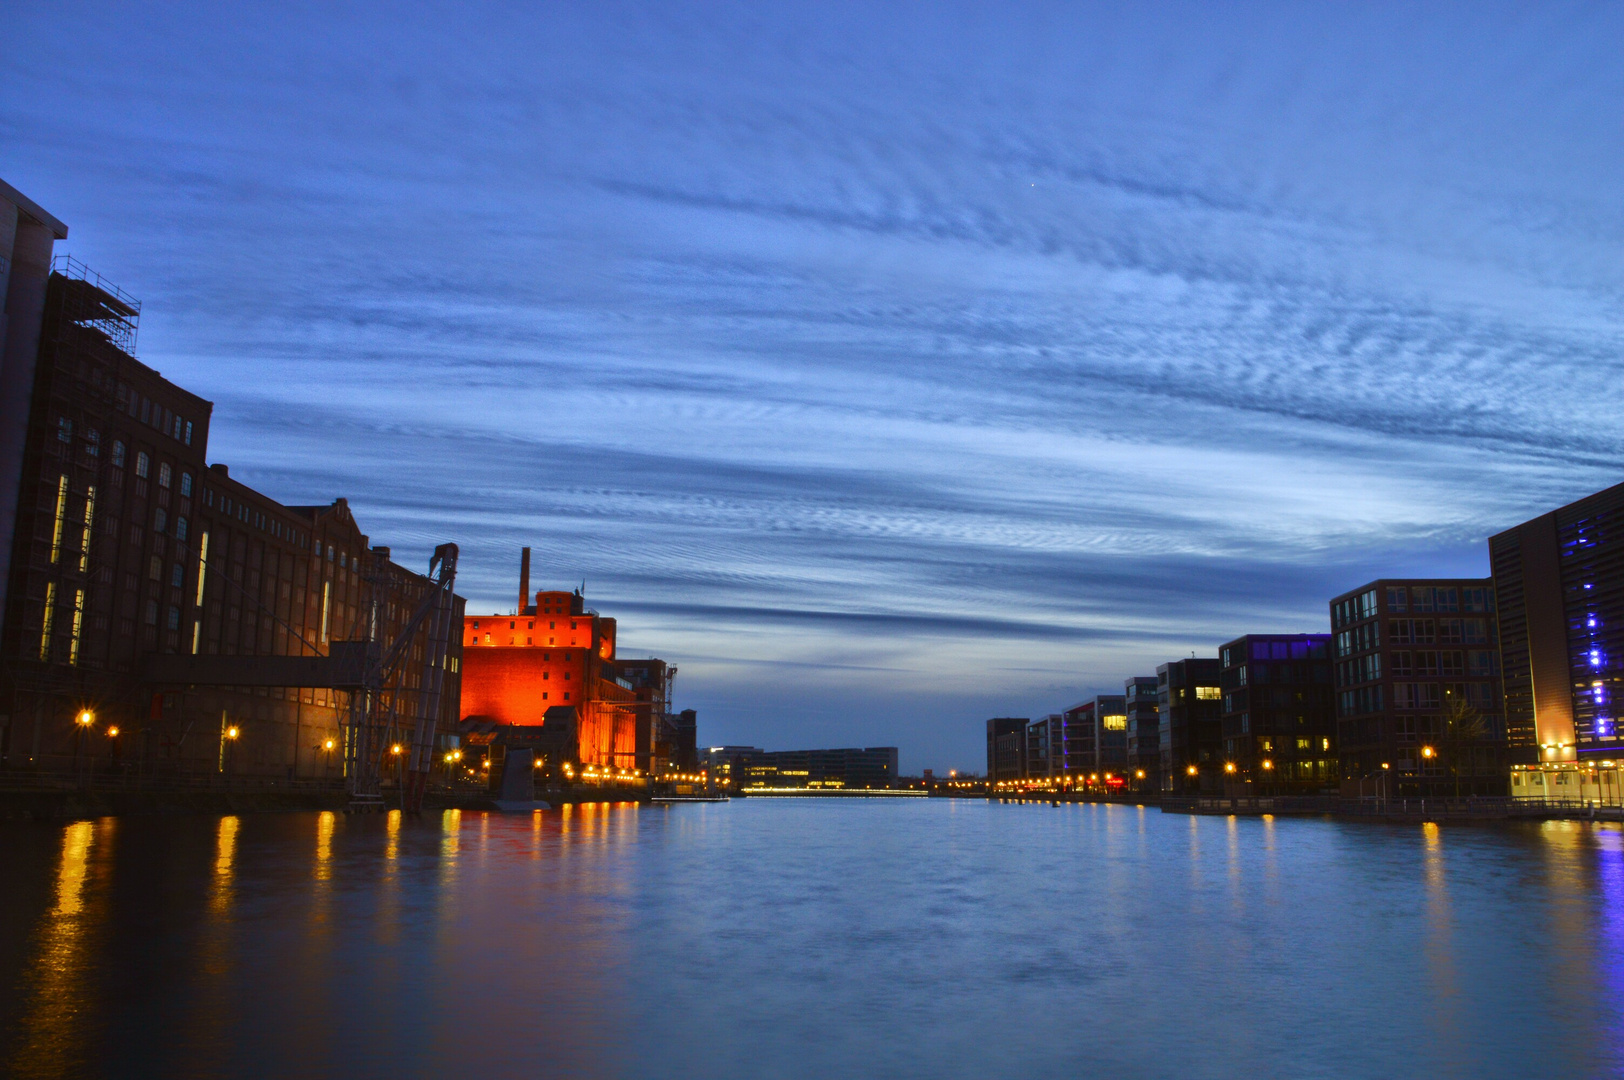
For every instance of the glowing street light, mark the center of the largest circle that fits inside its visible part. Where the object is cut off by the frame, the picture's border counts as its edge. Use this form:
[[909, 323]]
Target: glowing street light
[[85, 718], [1192, 770], [1267, 764], [1428, 752], [395, 749], [232, 732], [1229, 766], [112, 732]]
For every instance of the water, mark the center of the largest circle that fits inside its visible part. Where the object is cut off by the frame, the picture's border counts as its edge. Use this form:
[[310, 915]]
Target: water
[[810, 938]]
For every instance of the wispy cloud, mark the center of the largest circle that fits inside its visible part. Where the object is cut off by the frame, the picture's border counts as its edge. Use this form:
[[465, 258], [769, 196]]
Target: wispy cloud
[[883, 367]]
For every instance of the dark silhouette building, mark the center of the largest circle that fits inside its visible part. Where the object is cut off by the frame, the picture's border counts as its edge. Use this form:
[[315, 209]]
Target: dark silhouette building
[[1006, 749], [1279, 723], [1144, 752], [1192, 712]]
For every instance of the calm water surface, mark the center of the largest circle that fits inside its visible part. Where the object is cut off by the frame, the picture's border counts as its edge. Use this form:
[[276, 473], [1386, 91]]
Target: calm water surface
[[810, 938]]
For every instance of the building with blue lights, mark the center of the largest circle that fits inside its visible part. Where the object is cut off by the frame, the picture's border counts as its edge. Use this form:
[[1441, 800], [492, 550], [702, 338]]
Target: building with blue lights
[[1560, 584]]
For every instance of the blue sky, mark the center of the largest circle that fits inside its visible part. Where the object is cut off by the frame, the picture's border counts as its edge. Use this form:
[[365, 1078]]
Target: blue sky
[[885, 368]]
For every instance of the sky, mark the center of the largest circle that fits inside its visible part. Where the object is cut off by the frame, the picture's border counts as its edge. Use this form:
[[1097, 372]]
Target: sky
[[884, 367]]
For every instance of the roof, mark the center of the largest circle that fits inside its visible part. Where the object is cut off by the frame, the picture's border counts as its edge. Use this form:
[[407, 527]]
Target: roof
[[34, 210]]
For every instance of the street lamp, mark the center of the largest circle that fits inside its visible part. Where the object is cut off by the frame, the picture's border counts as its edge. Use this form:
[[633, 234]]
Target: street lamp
[[1229, 766], [1428, 752], [82, 724]]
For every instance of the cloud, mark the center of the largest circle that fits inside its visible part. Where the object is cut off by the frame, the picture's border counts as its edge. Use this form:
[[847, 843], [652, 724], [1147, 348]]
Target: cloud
[[931, 362]]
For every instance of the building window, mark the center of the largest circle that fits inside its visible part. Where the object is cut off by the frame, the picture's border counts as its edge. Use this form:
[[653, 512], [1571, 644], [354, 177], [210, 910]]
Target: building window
[[186, 484], [180, 528], [160, 520], [164, 474], [118, 452], [142, 464], [177, 578], [174, 618], [188, 433], [152, 613], [155, 569], [64, 429], [93, 443], [566, 695]]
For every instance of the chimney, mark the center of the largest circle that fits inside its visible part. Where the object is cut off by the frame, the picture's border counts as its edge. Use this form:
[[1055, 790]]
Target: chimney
[[524, 582]]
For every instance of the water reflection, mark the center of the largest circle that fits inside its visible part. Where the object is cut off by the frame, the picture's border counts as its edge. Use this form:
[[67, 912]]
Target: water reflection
[[1438, 943], [59, 999], [798, 939]]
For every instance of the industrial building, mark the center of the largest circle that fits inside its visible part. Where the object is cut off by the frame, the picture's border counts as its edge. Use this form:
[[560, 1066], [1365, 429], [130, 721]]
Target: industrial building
[[551, 666], [160, 616]]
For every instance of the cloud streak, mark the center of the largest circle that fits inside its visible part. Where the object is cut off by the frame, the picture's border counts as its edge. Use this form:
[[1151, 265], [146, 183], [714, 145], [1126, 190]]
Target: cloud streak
[[884, 367]]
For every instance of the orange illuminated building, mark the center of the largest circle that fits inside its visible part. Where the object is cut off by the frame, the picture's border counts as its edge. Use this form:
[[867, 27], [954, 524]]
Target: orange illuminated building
[[553, 665]]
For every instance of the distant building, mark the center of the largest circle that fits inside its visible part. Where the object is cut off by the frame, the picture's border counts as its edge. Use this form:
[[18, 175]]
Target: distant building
[[1006, 748], [519, 669], [1279, 724], [1095, 737], [1044, 747], [1144, 760], [1418, 697], [726, 764], [1192, 714], [868, 767]]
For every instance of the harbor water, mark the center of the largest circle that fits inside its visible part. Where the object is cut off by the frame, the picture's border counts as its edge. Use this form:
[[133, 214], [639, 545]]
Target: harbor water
[[810, 938]]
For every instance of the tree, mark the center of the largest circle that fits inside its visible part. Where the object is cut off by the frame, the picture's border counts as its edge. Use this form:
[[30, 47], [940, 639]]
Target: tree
[[1464, 727]]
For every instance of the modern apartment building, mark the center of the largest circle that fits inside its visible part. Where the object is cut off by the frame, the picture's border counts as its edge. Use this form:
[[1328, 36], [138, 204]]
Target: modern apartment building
[[1192, 721], [1279, 720], [1559, 584], [1044, 745], [1094, 735], [1141, 705], [1418, 700]]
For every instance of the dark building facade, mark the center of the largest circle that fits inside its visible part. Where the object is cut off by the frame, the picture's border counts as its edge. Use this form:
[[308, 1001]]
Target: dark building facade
[[1144, 747], [127, 547], [1279, 721], [1192, 711], [1006, 748], [1418, 702]]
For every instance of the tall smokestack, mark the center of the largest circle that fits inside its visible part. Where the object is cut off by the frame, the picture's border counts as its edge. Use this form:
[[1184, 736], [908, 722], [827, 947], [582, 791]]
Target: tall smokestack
[[524, 582]]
